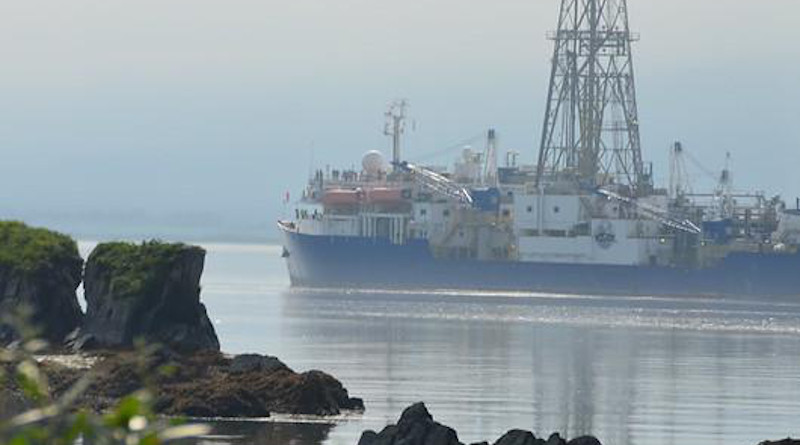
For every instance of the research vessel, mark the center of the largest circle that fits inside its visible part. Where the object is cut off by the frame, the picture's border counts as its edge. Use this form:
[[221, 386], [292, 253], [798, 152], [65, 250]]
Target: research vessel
[[586, 218]]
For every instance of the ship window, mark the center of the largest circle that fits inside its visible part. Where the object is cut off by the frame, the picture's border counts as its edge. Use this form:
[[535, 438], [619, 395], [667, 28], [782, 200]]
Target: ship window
[[446, 213], [506, 212], [510, 194], [530, 209], [423, 212], [556, 209]]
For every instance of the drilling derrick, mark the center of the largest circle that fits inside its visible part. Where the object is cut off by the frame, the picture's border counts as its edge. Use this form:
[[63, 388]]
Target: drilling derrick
[[591, 126]]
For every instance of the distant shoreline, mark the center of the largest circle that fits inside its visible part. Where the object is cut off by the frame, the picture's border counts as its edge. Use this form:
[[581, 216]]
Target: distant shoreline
[[261, 232]]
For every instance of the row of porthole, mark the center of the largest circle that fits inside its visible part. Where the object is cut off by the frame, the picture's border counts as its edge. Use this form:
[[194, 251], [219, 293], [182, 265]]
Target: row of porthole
[[423, 212], [556, 209]]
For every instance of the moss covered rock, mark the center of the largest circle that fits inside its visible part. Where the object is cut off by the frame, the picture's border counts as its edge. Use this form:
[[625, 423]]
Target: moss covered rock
[[39, 273], [148, 291]]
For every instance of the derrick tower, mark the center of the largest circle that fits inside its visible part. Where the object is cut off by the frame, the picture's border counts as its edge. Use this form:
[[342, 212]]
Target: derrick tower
[[591, 125]]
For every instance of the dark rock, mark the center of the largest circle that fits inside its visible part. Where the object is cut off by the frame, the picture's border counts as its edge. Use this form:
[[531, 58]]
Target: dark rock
[[387, 435], [39, 273], [150, 292], [415, 427], [368, 437], [787, 441], [201, 384], [584, 440], [441, 435], [518, 437], [254, 362], [416, 413], [315, 392], [76, 341]]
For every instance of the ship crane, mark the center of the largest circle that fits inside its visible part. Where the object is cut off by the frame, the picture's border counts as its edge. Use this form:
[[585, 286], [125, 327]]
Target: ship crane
[[653, 212], [436, 182]]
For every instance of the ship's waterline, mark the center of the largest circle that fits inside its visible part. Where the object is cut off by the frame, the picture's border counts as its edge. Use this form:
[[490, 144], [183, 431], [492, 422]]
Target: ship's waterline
[[362, 262]]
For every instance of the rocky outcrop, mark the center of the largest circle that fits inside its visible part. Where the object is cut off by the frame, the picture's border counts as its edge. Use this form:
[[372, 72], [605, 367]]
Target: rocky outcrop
[[787, 441], [417, 427], [39, 273], [522, 437], [208, 384], [149, 291]]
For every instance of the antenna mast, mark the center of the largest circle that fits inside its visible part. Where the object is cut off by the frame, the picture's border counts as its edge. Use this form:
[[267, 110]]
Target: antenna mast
[[591, 126], [395, 127], [490, 164]]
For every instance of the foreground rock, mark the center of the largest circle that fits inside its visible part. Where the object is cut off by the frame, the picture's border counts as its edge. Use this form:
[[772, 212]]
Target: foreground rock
[[148, 292], [13, 402], [39, 273], [207, 384], [417, 427]]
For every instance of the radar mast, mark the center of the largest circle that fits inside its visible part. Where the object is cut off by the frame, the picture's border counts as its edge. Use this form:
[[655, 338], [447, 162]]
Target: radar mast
[[395, 127]]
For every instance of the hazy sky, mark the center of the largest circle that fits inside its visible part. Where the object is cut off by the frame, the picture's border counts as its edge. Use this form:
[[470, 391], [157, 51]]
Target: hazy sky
[[146, 117]]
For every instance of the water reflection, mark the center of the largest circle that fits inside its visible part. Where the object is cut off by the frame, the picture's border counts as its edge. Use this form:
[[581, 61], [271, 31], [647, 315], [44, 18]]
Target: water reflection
[[632, 371], [264, 433], [486, 365]]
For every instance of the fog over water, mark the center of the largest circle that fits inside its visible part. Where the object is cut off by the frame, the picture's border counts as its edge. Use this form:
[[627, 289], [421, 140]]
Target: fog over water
[[641, 371], [191, 118]]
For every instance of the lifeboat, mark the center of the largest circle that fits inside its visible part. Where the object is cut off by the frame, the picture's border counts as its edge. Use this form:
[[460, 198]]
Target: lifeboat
[[383, 195], [341, 197]]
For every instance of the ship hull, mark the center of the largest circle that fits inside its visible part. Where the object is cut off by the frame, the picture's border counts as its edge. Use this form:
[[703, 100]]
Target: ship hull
[[353, 262]]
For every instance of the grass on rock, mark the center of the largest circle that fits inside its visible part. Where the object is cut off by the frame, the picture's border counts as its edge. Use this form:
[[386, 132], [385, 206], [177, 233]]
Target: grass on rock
[[136, 269], [30, 249]]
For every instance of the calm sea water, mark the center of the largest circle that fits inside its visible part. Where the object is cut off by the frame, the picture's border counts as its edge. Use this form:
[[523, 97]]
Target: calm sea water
[[639, 371]]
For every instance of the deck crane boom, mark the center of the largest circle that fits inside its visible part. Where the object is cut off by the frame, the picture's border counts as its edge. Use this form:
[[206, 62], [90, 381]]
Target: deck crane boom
[[436, 182], [653, 212]]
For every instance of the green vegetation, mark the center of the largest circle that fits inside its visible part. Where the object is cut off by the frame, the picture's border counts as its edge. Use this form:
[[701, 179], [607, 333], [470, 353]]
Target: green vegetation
[[30, 249], [59, 420], [136, 269]]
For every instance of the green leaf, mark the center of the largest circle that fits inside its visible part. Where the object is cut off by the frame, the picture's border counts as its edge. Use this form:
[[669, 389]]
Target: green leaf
[[127, 408]]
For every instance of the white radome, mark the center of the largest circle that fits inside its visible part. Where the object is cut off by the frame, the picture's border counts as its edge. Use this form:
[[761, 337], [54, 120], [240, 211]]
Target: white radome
[[373, 163]]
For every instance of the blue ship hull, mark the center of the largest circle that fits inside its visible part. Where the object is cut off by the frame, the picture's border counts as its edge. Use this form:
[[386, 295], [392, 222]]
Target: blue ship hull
[[348, 262]]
